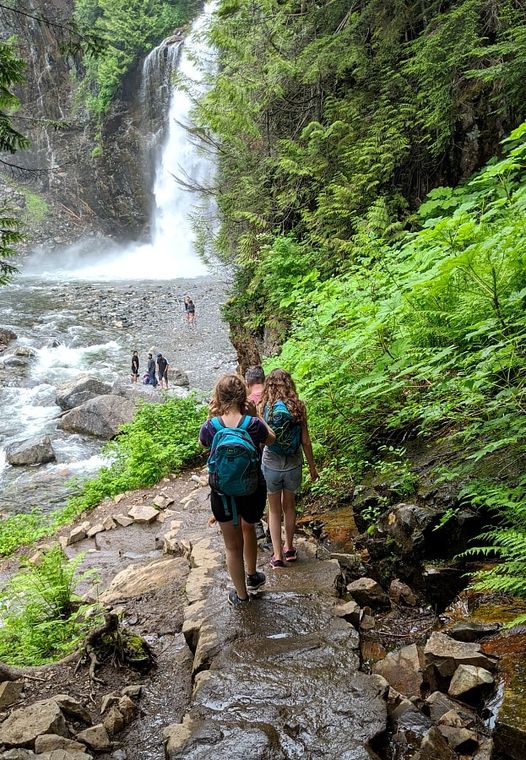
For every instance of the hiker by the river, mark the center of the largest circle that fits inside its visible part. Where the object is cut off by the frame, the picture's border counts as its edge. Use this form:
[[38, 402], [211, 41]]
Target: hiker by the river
[[282, 460], [151, 378], [238, 491], [189, 310], [162, 367], [135, 367]]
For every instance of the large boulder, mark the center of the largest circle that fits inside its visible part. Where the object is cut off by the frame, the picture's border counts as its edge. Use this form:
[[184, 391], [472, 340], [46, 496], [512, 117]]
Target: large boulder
[[23, 726], [32, 451], [79, 390], [178, 377], [102, 416]]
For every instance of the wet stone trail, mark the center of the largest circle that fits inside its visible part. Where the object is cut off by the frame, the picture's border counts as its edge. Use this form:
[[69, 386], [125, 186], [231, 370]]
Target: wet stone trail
[[277, 679]]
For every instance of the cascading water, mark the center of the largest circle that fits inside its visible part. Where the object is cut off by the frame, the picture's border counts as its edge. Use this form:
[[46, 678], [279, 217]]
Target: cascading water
[[69, 322], [171, 253]]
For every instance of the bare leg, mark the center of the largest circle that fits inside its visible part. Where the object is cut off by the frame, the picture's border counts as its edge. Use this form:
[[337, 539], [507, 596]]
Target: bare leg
[[274, 522], [289, 512], [250, 546], [233, 538]]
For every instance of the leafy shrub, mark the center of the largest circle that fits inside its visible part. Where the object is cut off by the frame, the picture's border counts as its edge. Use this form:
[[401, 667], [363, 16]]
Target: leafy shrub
[[162, 439], [42, 617]]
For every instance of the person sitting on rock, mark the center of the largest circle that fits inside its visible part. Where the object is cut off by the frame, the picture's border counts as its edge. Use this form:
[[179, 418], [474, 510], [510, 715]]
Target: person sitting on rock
[[162, 367], [236, 515]]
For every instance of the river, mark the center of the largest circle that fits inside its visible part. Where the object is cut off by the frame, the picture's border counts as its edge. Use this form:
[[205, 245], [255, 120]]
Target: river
[[86, 308]]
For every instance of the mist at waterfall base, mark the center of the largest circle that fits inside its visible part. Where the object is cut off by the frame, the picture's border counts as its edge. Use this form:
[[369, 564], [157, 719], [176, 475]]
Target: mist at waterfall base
[[171, 252], [84, 309]]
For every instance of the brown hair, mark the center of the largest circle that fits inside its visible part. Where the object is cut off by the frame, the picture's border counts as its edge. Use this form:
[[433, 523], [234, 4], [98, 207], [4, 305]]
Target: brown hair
[[230, 392], [279, 386]]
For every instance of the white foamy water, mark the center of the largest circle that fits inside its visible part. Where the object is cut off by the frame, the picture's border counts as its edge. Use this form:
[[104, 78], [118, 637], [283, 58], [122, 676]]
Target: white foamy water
[[62, 362], [172, 250]]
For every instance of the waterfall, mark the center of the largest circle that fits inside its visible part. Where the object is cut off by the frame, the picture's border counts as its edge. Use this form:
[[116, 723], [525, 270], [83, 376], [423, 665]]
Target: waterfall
[[166, 107]]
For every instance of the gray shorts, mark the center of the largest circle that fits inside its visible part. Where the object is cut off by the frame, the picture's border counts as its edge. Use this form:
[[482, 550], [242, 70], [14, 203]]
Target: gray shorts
[[282, 480]]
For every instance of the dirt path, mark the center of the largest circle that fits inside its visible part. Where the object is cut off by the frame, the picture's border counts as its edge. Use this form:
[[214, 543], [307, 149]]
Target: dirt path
[[278, 679]]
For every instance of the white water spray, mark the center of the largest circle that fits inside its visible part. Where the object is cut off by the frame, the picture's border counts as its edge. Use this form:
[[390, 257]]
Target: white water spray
[[171, 253]]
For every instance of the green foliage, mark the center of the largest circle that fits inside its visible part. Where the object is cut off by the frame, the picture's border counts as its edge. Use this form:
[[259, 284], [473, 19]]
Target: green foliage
[[128, 28], [162, 439], [42, 618]]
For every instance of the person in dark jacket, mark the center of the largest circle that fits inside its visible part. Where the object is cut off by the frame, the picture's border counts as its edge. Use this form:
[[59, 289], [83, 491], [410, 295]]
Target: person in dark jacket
[[152, 378], [135, 367], [162, 369]]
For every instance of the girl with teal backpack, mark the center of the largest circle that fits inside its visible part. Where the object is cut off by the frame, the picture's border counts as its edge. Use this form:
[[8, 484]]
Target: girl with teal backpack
[[238, 490], [282, 460]]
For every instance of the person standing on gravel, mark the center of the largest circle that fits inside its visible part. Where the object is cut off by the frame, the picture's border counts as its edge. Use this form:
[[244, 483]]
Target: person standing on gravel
[[189, 309], [241, 436], [135, 367], [282, 460], [152, 378], [162, 368]]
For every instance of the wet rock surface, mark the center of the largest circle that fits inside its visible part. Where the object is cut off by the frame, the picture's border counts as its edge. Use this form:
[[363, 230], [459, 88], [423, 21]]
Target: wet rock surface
[[33, 451], [79, 390], [102, 417]]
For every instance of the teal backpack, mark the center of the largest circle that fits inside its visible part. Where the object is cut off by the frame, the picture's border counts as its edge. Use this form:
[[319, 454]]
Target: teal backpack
[[286, 428], [233, 464]]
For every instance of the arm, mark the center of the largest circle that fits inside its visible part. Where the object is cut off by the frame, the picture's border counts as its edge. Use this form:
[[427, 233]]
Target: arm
[[307, 448]]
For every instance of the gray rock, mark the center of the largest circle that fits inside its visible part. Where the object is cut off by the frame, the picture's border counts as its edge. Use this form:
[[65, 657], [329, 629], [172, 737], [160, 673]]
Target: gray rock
[[32, 451], [96, 737], [349, 611], [73, 708], [136, 391], [470, 630], [51, 742], [102, 417], [401, 593], [7, 335], [10, 692], [470, 682], [368, 593], [23, 726], [434, 747], [403, 670], [113, 721], [79, 390], [460, 739], [405, 524], [133, 690], [15, 361], [25, 351], [78, 533], [178, 377], [443, 655], [143, 514], [438, 704], [123, 520], [97, 528]]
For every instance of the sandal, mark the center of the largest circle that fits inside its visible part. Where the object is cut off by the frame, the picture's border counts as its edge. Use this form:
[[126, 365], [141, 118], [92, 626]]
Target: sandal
[[275, 562], [291, 555]]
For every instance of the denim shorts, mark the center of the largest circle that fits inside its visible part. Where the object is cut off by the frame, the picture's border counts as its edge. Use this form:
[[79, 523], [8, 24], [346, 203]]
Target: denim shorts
[[282, 480]]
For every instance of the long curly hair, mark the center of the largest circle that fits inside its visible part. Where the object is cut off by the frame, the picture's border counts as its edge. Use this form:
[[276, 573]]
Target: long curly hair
[[279, 386], [230, 393]]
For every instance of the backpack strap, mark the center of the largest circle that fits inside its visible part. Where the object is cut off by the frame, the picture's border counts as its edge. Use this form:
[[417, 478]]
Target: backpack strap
[[226, 507], [245, 422], [216, 422]]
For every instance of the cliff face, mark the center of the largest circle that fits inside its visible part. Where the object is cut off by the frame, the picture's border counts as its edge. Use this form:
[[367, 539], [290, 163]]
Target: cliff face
[[106, 192]]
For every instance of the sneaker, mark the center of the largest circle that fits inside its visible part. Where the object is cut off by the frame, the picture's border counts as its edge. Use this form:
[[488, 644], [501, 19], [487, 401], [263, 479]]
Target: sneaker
[[275, 562], [260, 531], [255, 581], [235, 601], [291, 555]]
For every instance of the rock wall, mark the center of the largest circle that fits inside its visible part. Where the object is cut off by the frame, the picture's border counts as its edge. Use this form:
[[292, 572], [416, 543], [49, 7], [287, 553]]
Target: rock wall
[[82, 191]]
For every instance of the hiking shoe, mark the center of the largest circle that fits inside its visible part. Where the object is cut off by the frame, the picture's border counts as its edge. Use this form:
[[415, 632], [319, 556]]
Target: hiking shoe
[[291, 555], [275, 562], [255, 581], [260, 531], [235, 601]]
